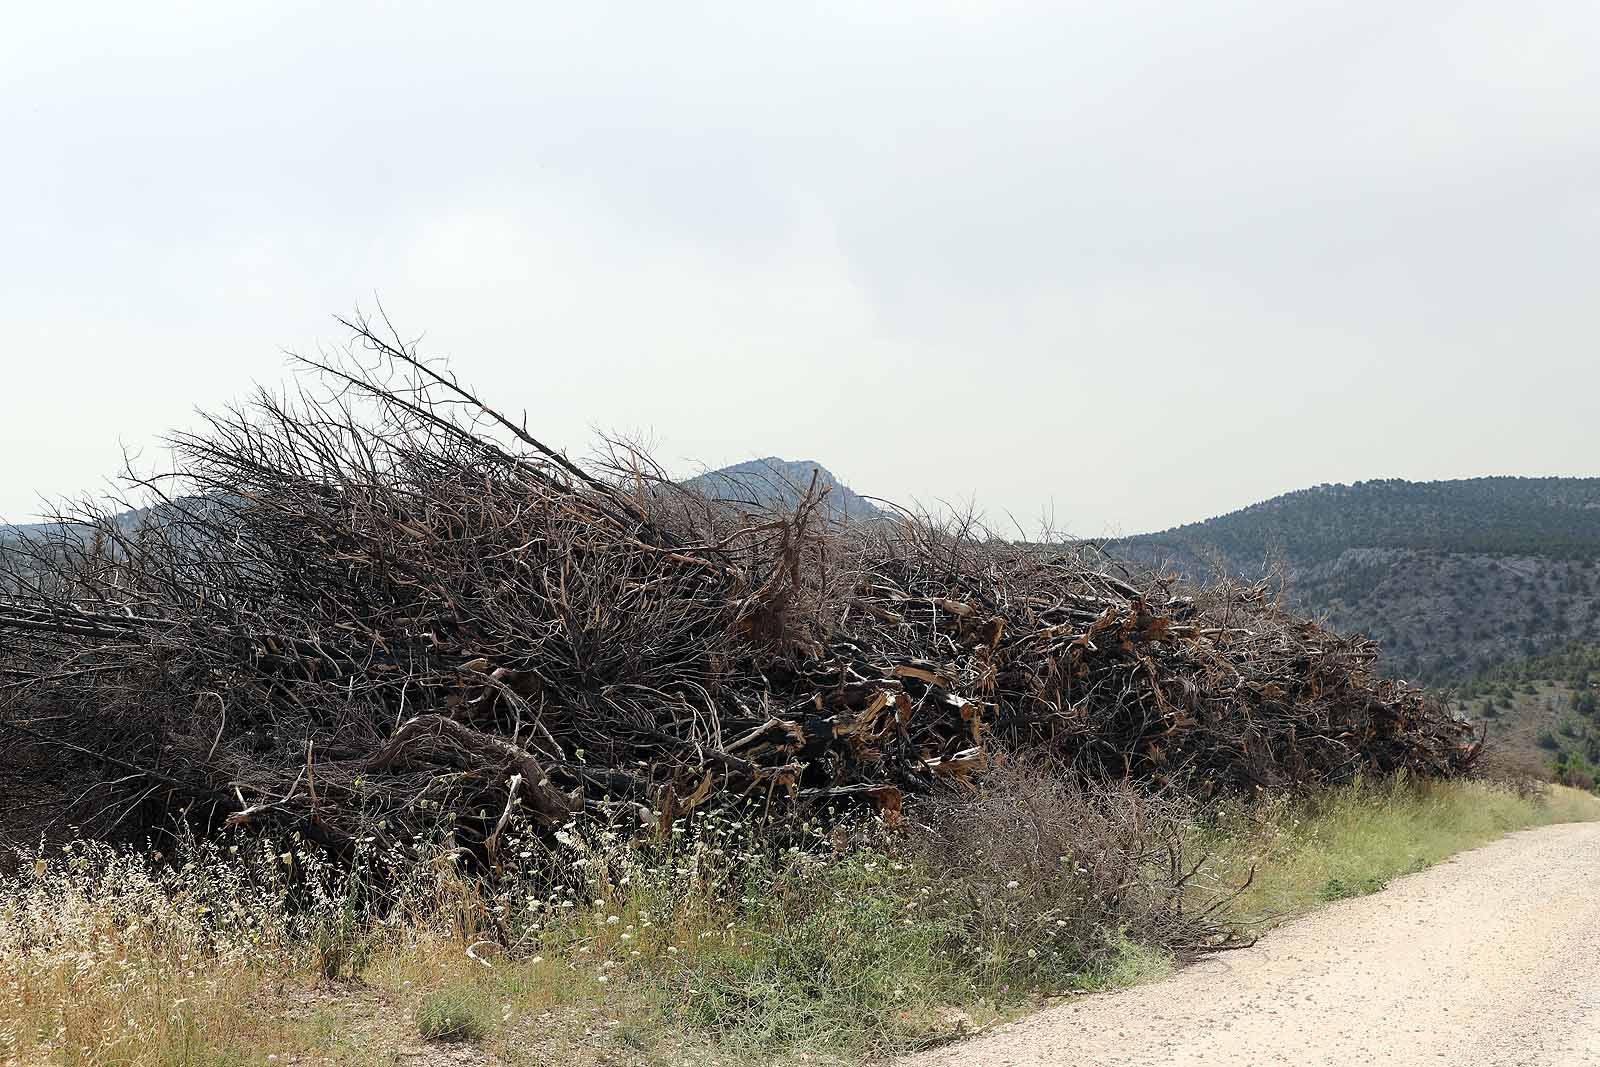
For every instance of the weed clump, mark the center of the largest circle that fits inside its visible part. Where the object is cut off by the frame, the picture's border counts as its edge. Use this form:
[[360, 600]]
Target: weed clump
[[457, 1012]]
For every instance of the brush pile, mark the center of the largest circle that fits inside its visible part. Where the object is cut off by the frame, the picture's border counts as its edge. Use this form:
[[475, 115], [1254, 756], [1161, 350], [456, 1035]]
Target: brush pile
[[384, 604]]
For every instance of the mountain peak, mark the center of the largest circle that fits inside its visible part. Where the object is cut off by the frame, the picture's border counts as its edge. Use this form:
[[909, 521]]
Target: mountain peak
[[773, 481]]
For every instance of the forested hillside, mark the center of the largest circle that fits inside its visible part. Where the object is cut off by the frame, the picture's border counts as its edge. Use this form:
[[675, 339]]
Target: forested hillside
[[1544, 708], [1554, 517], [1453, 578]]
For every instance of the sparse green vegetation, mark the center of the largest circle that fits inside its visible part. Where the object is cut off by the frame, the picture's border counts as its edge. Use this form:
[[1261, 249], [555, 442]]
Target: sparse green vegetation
[[1544, 709], [1354, 840]]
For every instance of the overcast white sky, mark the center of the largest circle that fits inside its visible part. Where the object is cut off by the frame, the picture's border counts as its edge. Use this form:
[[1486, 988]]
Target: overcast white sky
[[1135, 263]]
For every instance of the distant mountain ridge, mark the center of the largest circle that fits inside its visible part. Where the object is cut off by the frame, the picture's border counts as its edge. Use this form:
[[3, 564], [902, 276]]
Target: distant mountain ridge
[[775, 482], [1453, 577], [1558, 517]]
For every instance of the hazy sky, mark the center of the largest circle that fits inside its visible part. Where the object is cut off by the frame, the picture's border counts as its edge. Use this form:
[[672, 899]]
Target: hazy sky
[[1132, 263]]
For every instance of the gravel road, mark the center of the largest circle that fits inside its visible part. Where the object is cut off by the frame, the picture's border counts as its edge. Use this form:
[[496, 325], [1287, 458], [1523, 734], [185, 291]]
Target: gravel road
[[1490, 959]]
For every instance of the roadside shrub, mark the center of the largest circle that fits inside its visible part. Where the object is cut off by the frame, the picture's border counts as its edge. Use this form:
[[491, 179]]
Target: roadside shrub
[[1575, 771], [1056, 875], [1525, 775], [1578, 779]]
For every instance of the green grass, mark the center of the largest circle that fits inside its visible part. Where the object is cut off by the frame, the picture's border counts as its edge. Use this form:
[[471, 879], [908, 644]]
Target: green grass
[[1353, 841], [1132, 963], [843, 962]]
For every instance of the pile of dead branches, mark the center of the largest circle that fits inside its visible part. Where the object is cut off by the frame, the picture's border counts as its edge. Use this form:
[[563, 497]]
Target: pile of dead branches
[[381, 603]]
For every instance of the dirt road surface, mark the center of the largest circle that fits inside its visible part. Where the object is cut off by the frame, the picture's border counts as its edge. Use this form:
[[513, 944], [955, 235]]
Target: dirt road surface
[[1488, 960]]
